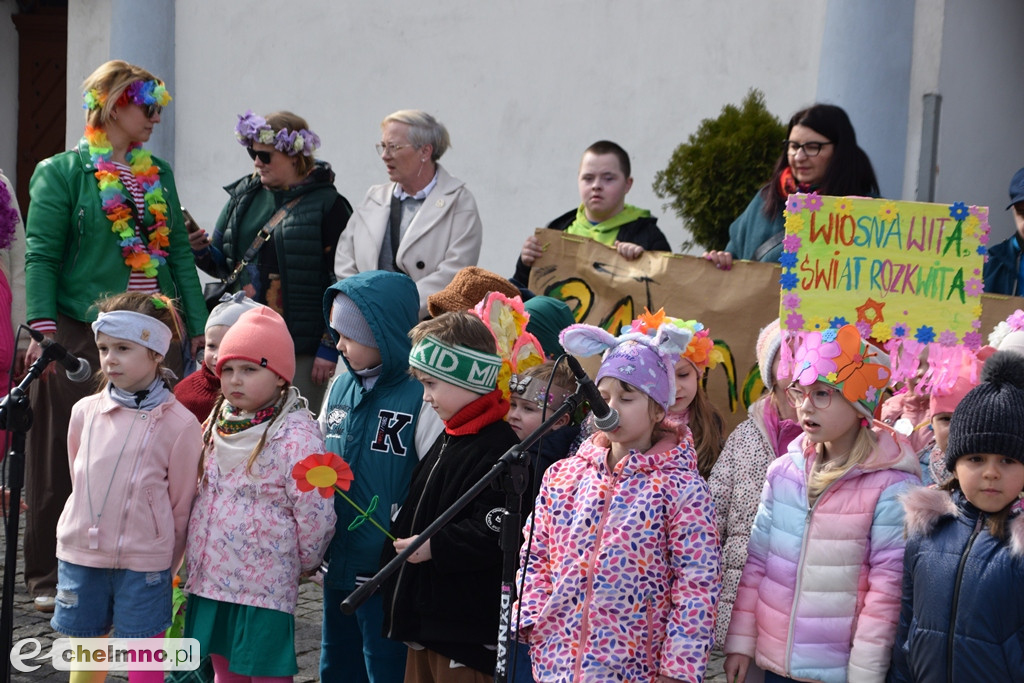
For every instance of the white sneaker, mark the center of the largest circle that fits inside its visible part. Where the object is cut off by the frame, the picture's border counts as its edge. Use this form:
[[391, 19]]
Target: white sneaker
[[45, 603]]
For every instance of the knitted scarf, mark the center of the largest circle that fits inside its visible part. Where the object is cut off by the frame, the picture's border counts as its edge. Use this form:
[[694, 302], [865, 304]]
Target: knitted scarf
[[477, 414]]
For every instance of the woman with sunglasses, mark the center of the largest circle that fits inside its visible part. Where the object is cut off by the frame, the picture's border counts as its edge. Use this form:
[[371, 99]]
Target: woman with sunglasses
[[819, 597], [293, 268], [424, 222], [819, 154], [103, 218]]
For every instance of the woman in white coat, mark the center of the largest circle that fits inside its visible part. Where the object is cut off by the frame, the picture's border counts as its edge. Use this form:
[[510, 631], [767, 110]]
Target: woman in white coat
[[423, 223]]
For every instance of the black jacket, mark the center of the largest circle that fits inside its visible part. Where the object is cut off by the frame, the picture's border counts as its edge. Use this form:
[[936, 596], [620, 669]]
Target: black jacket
[[962, 612], [1003, 267], [643, 231], [451, 602]]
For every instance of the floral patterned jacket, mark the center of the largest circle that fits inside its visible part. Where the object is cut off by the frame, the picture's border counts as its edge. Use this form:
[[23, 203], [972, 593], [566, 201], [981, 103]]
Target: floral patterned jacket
[[253, 533], [736, 483], [623, 572]]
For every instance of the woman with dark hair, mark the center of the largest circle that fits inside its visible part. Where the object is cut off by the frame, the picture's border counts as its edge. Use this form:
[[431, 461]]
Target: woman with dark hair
[[292, 269], [820, 154]]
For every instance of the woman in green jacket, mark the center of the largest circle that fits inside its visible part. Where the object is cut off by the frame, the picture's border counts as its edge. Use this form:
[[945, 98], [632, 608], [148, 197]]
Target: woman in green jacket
[[292, 269], [103, 217]]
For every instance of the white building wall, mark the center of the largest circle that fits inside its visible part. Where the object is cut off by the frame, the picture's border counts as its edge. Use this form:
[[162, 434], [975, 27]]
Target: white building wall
[[523, 89], [924, 80], [981, 141]]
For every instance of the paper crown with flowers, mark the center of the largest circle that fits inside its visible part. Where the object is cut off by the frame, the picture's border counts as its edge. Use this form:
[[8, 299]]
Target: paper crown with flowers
[[701, 350], [507, 318], [840, 358], [642, 360], [252, 128]]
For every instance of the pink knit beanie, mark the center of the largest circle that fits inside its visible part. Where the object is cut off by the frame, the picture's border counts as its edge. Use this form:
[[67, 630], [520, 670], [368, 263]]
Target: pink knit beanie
[[261, 337]]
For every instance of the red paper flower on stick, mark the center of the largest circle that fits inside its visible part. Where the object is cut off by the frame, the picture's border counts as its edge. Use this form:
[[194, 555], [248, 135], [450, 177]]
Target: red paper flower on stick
[[328, 473], [323, 471]]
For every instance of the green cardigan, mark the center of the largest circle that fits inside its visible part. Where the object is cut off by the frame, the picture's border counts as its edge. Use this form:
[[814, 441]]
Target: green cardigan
[[72, 255]]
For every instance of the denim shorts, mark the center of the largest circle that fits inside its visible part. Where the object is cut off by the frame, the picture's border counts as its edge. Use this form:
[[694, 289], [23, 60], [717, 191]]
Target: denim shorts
[[90, 601]]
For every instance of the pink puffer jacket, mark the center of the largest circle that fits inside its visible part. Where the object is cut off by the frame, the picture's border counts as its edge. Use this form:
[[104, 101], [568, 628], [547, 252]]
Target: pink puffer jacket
[[820, 594]]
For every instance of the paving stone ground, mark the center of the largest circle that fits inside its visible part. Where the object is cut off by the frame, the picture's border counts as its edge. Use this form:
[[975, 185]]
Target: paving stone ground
[[28, 623]]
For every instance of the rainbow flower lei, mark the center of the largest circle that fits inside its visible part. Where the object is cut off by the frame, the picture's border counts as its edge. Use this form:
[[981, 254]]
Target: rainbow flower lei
[[113, 199], [254, 128]]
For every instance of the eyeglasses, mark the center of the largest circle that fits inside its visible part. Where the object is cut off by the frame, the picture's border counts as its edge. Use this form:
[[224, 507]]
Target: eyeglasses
[[811, 149], [391, 148], [821, 398], [263, 156], [151, 110]]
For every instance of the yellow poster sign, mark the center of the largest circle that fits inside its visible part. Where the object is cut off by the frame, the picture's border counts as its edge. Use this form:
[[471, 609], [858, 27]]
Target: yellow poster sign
[[604, 289], [894, 269]]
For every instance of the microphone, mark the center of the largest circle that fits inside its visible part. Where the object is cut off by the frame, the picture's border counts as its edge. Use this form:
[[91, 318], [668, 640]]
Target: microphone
[[605, 418], [77, 369]]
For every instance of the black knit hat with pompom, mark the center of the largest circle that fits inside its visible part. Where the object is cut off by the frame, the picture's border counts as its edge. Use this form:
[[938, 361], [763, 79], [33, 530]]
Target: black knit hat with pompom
[[990, 418]]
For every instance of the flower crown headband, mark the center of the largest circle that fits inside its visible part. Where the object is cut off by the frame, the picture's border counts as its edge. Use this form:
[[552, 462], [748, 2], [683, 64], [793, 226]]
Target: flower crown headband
[[142, 93], [700, 351], [252, 128]]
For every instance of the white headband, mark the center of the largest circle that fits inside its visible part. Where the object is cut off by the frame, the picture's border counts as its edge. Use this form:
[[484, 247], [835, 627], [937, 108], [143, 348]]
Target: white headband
[[144, 330]]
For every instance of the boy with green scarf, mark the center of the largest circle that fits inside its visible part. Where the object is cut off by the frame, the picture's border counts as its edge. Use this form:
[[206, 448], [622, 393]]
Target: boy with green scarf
[[603, 215]]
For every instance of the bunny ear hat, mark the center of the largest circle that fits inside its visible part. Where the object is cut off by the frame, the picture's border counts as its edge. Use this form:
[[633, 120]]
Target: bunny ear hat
[[644, 361]]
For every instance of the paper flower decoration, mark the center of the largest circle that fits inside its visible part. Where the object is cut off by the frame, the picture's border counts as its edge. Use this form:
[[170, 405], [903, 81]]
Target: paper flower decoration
[[812, 202], [329, 474], [506, 319]]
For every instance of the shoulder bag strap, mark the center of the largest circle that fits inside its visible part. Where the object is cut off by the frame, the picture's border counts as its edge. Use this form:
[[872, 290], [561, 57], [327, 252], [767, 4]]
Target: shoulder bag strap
[[262, 237], [769, 244], [395, 228]]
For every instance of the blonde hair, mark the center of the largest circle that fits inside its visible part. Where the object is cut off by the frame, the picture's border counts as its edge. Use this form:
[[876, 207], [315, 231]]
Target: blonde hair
[[280, 120], [708, 428], [110, 80], [563, 377], [424, 129], [211, 424], [822, 477], [156, 306]]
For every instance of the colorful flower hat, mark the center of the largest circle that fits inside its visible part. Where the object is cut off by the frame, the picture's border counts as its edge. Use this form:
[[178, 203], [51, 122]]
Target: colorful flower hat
[[1007, 335], [519, 350], [644, 361], [952, 381], [701, 350], [841, 359]]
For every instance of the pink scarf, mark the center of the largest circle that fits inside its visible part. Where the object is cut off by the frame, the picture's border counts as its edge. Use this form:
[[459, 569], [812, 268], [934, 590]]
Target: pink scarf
[[780, 432]]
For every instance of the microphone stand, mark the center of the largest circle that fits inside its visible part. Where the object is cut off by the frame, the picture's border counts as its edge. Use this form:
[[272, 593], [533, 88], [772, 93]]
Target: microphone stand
[[16, 416], [513, 469]]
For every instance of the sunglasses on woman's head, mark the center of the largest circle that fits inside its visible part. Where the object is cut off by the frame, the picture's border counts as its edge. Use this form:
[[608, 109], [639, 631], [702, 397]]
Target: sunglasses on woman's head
[[263, 156]]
